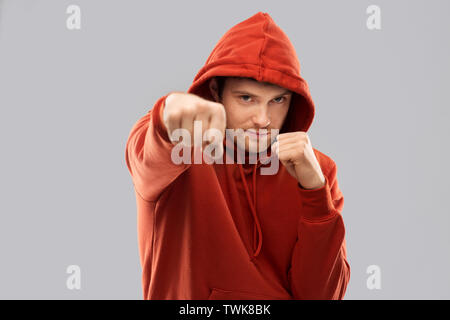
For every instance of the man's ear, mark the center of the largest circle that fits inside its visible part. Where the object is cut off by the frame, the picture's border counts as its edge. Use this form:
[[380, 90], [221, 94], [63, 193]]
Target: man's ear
[[214, 89]]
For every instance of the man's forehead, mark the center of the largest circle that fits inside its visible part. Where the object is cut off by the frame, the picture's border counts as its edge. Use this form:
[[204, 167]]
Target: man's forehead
[[250, 83]]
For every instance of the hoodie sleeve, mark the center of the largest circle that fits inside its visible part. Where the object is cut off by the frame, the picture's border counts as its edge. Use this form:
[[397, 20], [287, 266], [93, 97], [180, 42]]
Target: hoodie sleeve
[[148, 155], [319, 269]]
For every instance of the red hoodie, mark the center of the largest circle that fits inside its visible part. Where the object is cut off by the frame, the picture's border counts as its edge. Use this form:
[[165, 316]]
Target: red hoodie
[[225, 231]]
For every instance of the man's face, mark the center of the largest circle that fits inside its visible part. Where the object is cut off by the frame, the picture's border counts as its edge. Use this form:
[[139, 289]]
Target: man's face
[[251, 106]]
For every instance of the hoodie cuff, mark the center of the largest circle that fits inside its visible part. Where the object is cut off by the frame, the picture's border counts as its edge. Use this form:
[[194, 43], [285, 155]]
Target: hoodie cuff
[[317, 204], [157, 119]]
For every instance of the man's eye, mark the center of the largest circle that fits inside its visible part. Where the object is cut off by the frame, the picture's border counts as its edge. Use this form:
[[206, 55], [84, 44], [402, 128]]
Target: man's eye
[[245, 96], [279, 101]]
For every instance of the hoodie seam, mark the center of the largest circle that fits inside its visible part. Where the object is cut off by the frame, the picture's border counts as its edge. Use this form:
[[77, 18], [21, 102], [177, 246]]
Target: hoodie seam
[[262, 48], [218, 64], [326, 218]]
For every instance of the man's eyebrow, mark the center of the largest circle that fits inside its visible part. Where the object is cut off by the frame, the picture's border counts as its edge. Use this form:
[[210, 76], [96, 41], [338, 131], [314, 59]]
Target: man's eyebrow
[[251, 94]]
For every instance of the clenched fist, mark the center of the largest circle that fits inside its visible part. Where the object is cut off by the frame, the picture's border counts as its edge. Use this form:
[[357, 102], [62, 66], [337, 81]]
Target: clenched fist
[[295, 152], [182, 109]]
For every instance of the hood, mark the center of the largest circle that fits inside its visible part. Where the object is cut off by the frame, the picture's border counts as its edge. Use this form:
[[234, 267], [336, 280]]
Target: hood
[[258, 48]]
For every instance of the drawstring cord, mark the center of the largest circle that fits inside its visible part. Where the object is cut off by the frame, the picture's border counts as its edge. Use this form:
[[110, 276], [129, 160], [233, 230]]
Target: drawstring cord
[[256, 225]]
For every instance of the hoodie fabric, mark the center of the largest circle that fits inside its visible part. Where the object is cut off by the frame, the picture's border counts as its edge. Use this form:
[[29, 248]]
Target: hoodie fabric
[[226, 231]]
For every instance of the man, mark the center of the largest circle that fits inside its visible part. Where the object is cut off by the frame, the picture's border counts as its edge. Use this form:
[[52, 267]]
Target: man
[[224, 230]]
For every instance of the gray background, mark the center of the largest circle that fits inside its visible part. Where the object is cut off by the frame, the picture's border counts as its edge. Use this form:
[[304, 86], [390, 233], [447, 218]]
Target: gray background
[[68, 100]]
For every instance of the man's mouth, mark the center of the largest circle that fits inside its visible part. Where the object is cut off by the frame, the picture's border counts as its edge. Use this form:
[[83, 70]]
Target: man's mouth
[[262, 133]]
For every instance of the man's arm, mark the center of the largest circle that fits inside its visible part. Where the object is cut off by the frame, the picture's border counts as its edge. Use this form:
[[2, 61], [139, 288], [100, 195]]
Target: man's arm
[[319, 267], [148, 154], [149, 148]]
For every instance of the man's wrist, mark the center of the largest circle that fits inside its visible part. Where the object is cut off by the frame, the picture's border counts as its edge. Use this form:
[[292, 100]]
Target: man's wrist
[[319, 185]]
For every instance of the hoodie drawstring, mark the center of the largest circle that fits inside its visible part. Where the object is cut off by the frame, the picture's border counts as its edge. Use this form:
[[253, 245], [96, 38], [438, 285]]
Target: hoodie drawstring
[[252, 203]]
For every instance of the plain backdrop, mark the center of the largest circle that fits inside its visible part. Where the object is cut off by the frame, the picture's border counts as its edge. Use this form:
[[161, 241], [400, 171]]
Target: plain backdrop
[[68, 100]]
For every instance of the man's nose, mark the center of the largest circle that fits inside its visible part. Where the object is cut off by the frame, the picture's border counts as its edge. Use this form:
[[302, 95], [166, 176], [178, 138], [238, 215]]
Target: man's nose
[[261, 118]]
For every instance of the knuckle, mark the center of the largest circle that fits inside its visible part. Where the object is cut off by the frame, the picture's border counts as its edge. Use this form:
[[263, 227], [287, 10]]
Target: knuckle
[[189, 109], [202, 107], [174, 115], [220, 112]]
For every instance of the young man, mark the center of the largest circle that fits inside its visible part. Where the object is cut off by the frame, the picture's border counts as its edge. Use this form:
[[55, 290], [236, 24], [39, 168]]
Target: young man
[[225, 230]]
